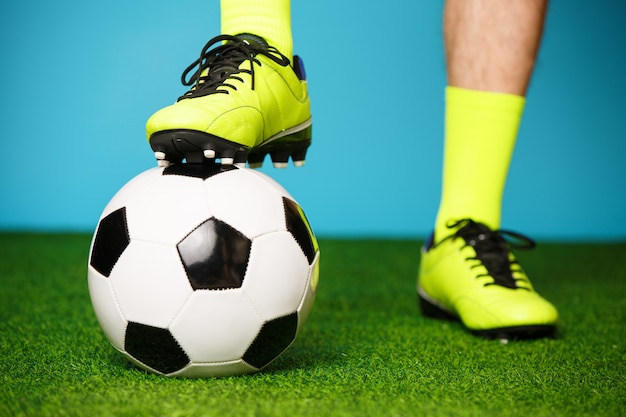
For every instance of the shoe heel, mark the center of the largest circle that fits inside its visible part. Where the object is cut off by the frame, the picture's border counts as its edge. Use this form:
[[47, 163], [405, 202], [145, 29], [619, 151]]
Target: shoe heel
[[432, 310]]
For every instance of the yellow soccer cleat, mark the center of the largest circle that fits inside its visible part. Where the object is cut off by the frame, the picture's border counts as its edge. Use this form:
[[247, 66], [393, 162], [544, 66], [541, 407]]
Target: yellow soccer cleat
[[472, 275], [246, 100]]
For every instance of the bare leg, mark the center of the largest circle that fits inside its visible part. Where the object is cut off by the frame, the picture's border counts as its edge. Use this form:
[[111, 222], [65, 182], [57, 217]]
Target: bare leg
[[491, 45]]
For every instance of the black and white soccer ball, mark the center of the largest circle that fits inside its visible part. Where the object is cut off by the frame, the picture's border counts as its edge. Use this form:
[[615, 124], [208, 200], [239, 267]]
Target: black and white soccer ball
[[202, 270]]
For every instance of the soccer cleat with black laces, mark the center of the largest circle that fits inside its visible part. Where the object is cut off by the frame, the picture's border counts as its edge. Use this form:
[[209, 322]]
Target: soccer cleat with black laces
[[472, 276], [246, 100]]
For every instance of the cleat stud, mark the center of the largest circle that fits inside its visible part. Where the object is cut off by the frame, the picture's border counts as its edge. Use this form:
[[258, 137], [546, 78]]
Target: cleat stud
[[240, 158], [159, 155], [162, 163], [280, 157], [227, 161], [299, 154], [209, 153], [280, 165], [299, 163], [256, 157]]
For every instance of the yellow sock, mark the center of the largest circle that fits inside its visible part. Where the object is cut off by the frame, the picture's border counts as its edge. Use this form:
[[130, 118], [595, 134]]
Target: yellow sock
[[480, 133], [270, 19]]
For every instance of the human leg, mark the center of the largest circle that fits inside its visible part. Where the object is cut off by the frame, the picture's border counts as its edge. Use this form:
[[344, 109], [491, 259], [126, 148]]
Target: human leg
[[467, 269], [491, 48], [492, 45], [270, 20]]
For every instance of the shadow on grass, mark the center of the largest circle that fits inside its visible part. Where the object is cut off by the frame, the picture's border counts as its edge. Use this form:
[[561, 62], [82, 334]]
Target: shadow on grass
[[306, 358], [300, 357]]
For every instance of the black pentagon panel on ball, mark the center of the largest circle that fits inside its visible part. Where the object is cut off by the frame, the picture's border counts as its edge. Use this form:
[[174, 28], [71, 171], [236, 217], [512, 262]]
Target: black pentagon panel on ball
[[274, 337], [202, 171], [154, 347], [215, 256], [299, 227], [110, 241]]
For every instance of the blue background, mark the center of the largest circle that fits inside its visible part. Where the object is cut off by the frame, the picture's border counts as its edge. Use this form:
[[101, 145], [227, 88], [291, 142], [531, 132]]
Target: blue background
[[79, 79]]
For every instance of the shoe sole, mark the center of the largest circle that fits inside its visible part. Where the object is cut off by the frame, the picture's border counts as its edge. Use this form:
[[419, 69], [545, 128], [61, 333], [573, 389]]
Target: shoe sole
[[431, 309], [192, 146]]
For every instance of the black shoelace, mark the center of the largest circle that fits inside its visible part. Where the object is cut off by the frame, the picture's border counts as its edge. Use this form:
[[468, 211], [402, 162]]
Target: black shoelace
[[223, 62], [492, 251]]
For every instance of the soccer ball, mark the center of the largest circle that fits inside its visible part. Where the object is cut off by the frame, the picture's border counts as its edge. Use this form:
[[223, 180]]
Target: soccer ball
[[202, 270]]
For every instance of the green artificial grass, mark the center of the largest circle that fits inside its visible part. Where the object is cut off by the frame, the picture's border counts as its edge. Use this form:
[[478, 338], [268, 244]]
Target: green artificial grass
[[365, 350]]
